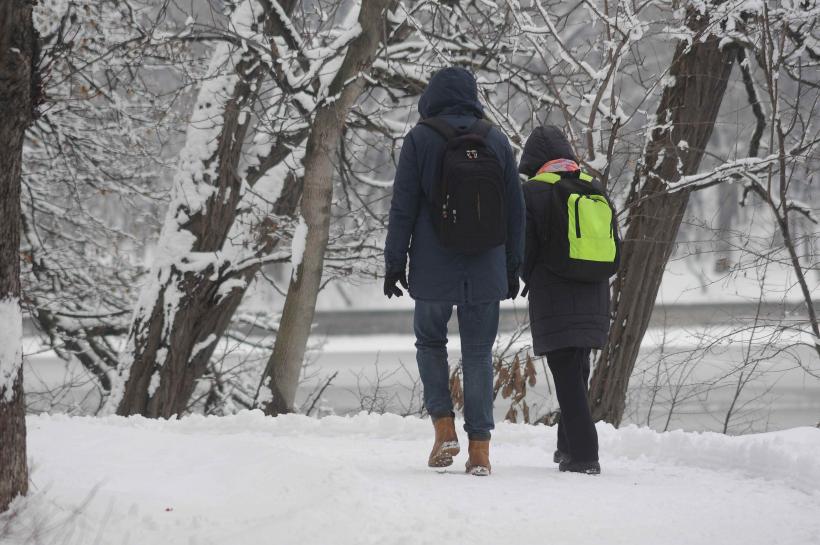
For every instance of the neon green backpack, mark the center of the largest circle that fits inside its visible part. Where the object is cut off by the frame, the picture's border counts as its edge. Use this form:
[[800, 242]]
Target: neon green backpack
[[582, 242]]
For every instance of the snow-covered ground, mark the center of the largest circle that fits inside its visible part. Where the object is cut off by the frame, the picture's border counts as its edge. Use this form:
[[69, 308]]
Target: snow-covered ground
[[248, 479]]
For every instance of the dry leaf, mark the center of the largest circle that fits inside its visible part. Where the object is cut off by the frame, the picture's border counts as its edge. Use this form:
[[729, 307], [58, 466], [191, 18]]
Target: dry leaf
[[530, 370], [504, 375], [517, 377]]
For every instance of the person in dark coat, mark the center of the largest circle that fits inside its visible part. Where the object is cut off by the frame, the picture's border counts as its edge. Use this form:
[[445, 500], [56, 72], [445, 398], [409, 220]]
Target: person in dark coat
[[441, 278], [567, 318]]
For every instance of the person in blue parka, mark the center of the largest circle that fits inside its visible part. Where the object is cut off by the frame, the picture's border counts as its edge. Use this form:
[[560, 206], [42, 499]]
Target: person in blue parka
[[440, 278]]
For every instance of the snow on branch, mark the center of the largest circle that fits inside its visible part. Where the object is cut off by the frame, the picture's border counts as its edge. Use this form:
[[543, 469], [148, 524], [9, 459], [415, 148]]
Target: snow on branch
[[803, 209], [727, 171]]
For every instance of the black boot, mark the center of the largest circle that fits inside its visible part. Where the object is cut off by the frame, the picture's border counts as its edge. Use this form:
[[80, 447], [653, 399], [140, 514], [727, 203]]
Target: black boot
[[559, 457], [588, 468]]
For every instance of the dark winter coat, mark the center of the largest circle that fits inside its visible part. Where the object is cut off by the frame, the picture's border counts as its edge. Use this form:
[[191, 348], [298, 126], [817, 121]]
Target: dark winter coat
[[563, 313], [436, 273]]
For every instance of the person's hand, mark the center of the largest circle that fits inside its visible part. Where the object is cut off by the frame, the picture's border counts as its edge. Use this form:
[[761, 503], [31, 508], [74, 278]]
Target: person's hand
[[513, 285], [391, 280]]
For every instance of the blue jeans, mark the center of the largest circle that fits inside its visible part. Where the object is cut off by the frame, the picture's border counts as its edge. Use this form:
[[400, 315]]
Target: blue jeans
[[478, 327]]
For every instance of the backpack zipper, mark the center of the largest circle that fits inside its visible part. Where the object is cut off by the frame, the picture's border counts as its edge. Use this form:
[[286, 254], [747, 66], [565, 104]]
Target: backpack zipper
[[578, 217]]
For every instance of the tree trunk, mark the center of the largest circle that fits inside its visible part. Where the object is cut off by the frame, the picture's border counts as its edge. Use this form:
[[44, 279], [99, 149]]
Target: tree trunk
[[18, 87], [690, 107], [285, 363], [184, 312], [185, 308]]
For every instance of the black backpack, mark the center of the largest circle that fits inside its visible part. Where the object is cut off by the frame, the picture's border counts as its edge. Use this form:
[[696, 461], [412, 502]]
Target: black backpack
[[582, 235], [468, 197]]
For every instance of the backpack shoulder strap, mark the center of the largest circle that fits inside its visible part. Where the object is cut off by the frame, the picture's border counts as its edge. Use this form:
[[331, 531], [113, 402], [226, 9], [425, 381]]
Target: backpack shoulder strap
[[551, 178], [481, 128], [440, 126]]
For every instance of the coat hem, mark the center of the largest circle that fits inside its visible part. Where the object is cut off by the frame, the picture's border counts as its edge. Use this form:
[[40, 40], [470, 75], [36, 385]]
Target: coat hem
[[454, 302]]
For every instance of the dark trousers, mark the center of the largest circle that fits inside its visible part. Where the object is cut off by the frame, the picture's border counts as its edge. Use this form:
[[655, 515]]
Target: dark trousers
[[576, 431], [478, 327]]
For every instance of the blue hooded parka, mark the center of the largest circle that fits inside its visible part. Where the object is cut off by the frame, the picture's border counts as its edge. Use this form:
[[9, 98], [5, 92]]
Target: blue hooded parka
[[436, 273]]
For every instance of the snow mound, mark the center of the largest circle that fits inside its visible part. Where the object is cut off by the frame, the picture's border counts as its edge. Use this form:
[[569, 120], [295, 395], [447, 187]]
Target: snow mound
[[248, 479]]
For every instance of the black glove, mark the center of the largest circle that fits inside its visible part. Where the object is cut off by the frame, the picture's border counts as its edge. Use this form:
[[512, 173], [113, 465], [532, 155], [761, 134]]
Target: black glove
[[513, 284], [390, 281]]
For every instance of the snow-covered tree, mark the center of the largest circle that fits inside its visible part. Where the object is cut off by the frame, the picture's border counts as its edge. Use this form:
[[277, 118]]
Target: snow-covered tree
[[92, 175], [332, 104], [785, 48], [712, 41], [186, 302], [236, 191], [685, 118]]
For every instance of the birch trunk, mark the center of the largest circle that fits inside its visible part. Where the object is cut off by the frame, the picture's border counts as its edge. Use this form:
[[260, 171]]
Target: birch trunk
[[285, 363], [690, 106]]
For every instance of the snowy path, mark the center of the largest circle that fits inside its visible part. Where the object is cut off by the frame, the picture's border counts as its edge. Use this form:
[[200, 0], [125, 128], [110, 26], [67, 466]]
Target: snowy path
[[247, 479]]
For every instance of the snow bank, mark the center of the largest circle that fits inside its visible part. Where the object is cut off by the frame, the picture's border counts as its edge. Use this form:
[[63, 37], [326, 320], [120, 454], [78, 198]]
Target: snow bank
[[789, 456], [248, 479]]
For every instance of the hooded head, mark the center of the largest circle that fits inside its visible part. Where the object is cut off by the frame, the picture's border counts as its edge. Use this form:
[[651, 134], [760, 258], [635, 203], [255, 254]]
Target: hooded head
[[545, 144], [451, 90]]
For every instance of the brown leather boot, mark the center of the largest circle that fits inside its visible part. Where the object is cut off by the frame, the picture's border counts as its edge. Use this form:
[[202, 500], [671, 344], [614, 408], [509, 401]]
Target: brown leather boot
[[446, 443], [479, 462]]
